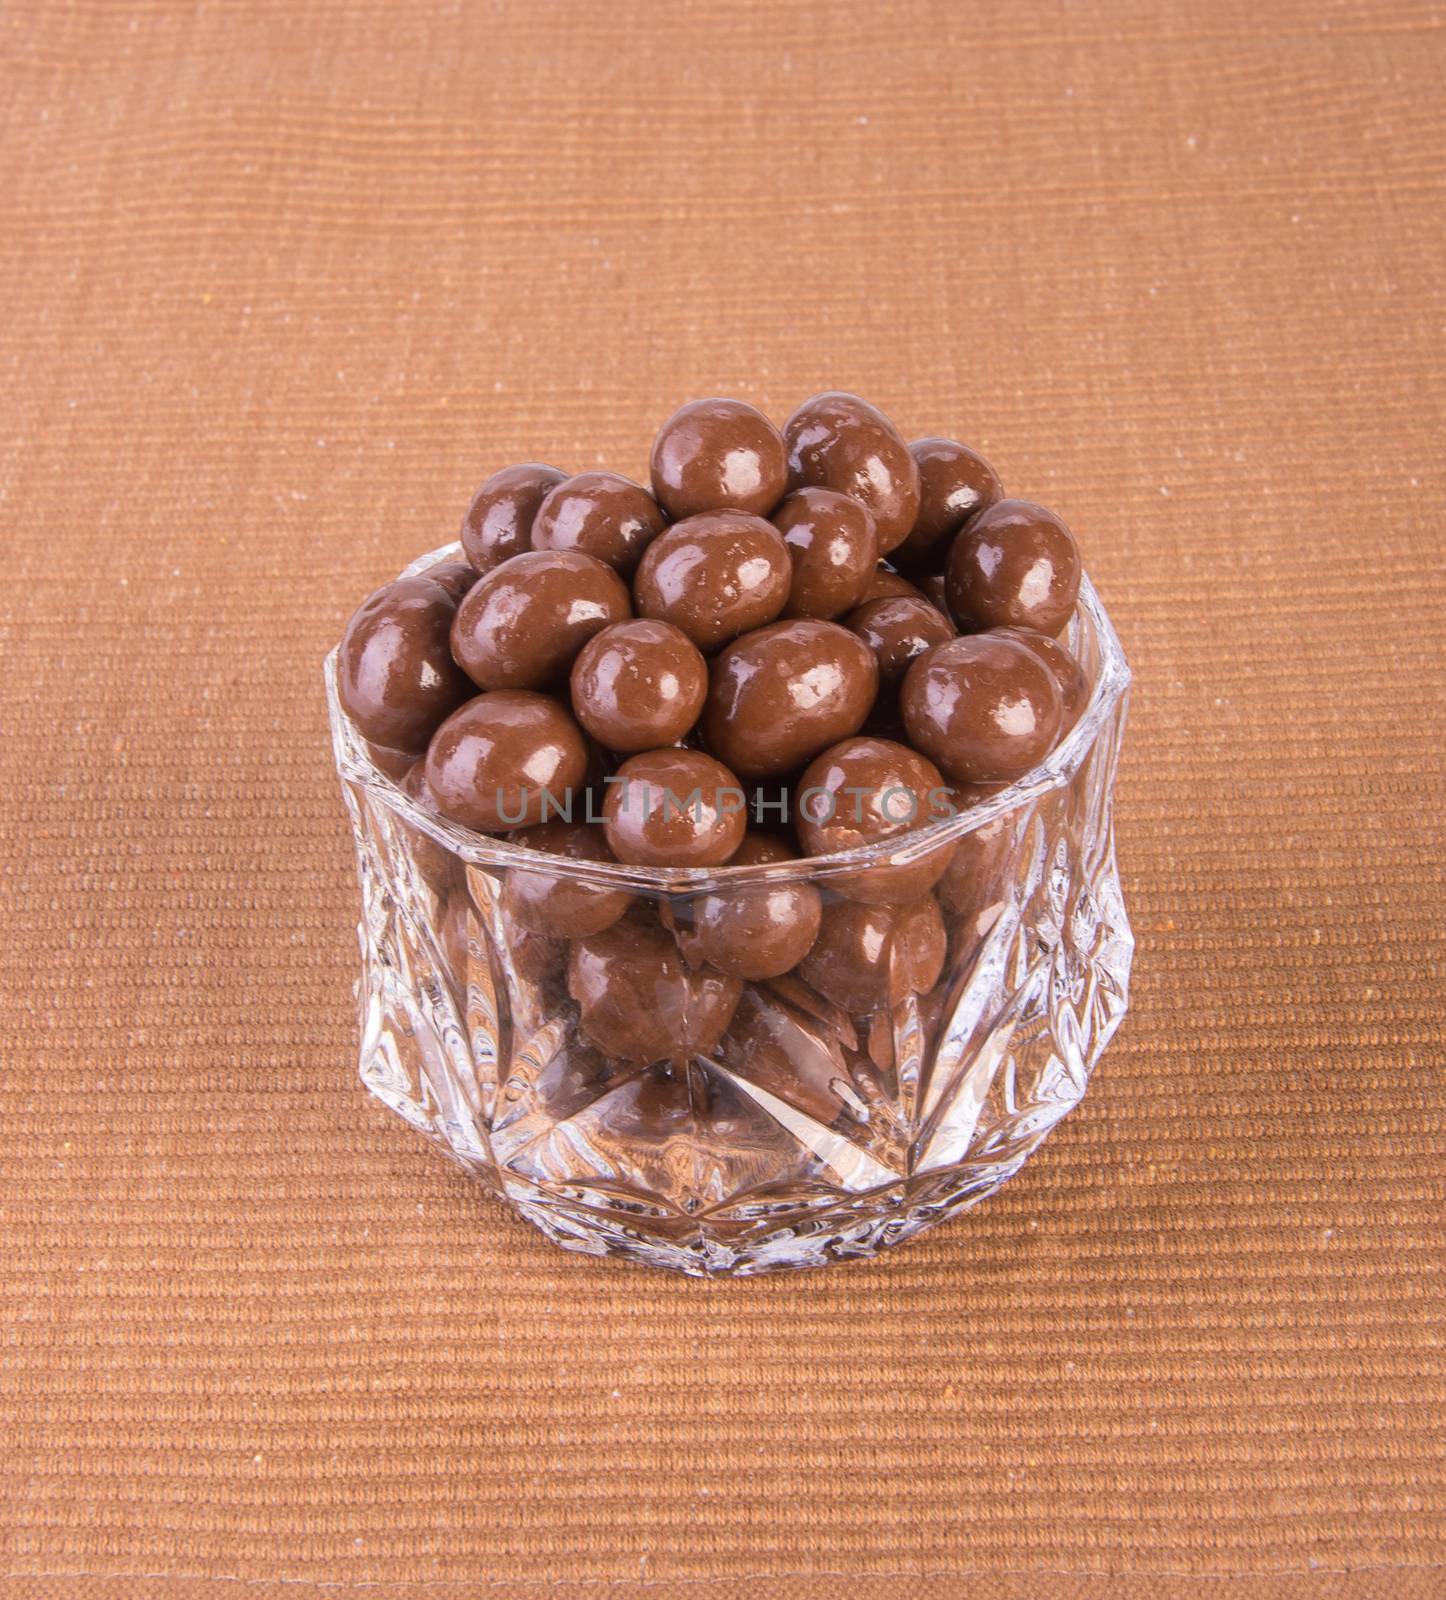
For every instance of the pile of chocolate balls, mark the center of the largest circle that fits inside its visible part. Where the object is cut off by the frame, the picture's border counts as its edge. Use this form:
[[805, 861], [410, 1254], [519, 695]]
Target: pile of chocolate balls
[[792, 643]]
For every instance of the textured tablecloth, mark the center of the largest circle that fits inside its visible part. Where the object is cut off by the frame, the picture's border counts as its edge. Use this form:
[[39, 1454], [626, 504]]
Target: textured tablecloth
[[282, 283]]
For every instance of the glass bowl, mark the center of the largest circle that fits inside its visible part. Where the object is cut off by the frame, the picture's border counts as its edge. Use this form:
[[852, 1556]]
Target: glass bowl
[[777, 1128]]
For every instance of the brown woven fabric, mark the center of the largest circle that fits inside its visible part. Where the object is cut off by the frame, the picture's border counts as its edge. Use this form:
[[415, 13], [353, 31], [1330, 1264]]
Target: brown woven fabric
[[282, 283]]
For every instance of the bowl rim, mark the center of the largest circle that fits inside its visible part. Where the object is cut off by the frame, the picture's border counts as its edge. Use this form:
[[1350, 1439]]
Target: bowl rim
[[355, 765]]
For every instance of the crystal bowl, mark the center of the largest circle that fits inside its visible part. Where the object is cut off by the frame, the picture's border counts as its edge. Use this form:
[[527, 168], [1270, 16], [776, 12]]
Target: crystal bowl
[[804, 1134]]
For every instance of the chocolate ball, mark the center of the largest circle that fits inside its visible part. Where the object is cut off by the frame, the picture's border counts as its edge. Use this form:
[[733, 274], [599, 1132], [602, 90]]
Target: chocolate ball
[[523, 624], [1015, 566], [674, 808], [395, 673], [455, 935], [1074, 685], [770, 1045], [867, 792], [438, 868], [955, 483], [867, 959], [983, 708], [600, 514], [534, 965], [714, 455], [780, 695], [553, 900], [456, 577], [395, 763], [972, 881], [920, 945], [756, 930], [638, 999], [505, 760], [834, 549], [838, 441], [714, 576], [898, 631], [638, 685], [935, 589], [498, 524], [886, 584]]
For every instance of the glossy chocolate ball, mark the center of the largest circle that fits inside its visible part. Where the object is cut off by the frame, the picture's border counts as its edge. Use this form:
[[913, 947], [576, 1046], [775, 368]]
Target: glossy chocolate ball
[[715, 576], [498, 524], [983, 708], [504, 760], [898, 631], [972, 883], [920, 945], [534, 965], [639, 1000], [935, 589], [639, 685], [455, 935], [600, 514], [674, 808], [552, 900], [886, 584], [834, 549], [1074, 684], [523, 624], [395, 763], [756, 930], [456, 577], [955, 483], [838, 441], [395, 672], [1015, 566], [772, 1046], [869, 792], [868, 959], [438, 868], [780, 695], [715, 455]]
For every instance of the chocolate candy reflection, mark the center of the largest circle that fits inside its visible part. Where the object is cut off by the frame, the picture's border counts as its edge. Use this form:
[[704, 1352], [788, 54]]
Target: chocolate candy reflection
[[1074, 686], [1015, 565], [757, 930], [639, 685], [983, 707], [522, 625], [834, 549], [395, 673], [866, 792], [838, 441], [713, 455], [783, 693], [898, 631], [600, 514], [505, 760], [868, 959], [638, 999], [715, 576], [554, 901], [674, 808], [955, 483], [498, 524]]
